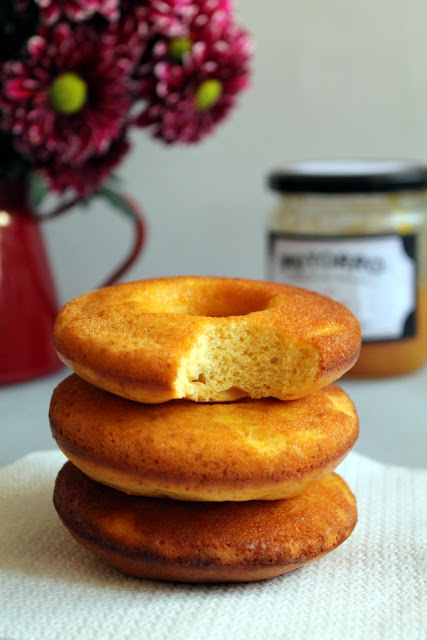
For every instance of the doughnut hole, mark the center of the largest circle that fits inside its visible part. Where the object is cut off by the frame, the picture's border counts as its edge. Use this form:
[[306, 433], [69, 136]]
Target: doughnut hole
[[206, 298], [233, 358]]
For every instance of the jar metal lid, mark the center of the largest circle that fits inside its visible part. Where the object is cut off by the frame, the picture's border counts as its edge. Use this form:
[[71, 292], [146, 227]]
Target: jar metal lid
[[349, 176]]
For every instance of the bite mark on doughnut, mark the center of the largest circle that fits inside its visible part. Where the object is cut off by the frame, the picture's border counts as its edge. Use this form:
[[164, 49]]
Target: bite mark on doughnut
[[236, 358], [206, 339]]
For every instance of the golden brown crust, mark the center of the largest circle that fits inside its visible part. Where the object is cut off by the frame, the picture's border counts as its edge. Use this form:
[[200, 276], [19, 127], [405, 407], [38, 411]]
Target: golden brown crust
[[204, 542], [135, 339], [249, 449]]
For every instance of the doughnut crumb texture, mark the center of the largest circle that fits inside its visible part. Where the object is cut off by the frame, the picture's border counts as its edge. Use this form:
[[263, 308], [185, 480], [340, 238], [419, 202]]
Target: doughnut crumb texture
[[206, 339], [237, 360]]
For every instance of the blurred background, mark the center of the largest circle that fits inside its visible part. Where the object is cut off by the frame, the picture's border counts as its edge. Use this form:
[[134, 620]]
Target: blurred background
[[330, 79]]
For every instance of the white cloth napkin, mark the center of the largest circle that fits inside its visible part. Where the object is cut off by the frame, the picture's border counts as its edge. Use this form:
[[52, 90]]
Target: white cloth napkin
[[374, 587]]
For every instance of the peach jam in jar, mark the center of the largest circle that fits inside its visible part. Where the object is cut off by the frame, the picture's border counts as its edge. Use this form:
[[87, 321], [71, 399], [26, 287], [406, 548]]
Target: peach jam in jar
[[357, 232]]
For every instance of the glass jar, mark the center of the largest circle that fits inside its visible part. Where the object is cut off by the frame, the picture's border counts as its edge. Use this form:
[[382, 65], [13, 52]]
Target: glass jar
[[357, 232]]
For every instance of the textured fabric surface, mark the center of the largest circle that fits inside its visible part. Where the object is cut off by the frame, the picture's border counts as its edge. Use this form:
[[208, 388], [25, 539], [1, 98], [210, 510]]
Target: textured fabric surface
[[373, 587]]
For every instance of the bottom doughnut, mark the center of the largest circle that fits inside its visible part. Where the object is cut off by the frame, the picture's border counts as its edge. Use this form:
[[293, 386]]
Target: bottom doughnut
[[163, 539]]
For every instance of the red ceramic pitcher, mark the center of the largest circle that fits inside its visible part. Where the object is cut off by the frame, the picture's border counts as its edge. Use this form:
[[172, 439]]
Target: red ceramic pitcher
[[28, 301]]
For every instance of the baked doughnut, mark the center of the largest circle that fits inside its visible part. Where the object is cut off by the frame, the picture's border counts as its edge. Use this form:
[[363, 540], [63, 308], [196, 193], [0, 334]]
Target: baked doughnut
[[206, 339], [246, 450], [204, 542]]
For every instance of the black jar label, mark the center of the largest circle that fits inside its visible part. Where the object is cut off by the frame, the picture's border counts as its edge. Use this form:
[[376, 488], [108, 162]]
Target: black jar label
[[374, 276]]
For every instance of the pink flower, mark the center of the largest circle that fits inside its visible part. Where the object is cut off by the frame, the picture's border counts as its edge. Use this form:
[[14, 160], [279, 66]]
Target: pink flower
[[84, 181], [191, 81], [52, 11], [129, 34], [69, 97], [96, 67], [168, 17]]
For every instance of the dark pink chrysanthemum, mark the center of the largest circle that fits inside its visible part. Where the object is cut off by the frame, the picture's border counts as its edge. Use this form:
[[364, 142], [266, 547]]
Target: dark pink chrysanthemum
[[52, 11], [84, 181], [174, 18], [129, 34], [190, 82], [69, 97], [168, 17]]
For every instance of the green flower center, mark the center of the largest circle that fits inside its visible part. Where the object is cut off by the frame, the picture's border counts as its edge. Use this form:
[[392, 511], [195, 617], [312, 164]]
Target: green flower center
[[178, 47], [208, 94], [68, 93]]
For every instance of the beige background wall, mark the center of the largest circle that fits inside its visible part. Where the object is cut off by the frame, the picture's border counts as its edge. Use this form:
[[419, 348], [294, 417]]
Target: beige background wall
[[332, 78]]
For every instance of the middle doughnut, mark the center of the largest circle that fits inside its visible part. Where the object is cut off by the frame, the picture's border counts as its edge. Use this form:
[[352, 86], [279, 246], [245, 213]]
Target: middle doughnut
[[248, 450]]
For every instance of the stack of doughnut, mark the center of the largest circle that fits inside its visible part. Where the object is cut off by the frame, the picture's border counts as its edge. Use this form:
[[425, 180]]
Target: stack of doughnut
[[203, 426]]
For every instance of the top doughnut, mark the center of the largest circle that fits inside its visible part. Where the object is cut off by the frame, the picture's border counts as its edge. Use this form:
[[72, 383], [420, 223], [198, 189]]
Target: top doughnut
[[206, 339]]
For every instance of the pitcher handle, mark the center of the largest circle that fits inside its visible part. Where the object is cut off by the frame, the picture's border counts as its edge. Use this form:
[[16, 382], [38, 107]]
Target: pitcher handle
[[138, 220]]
